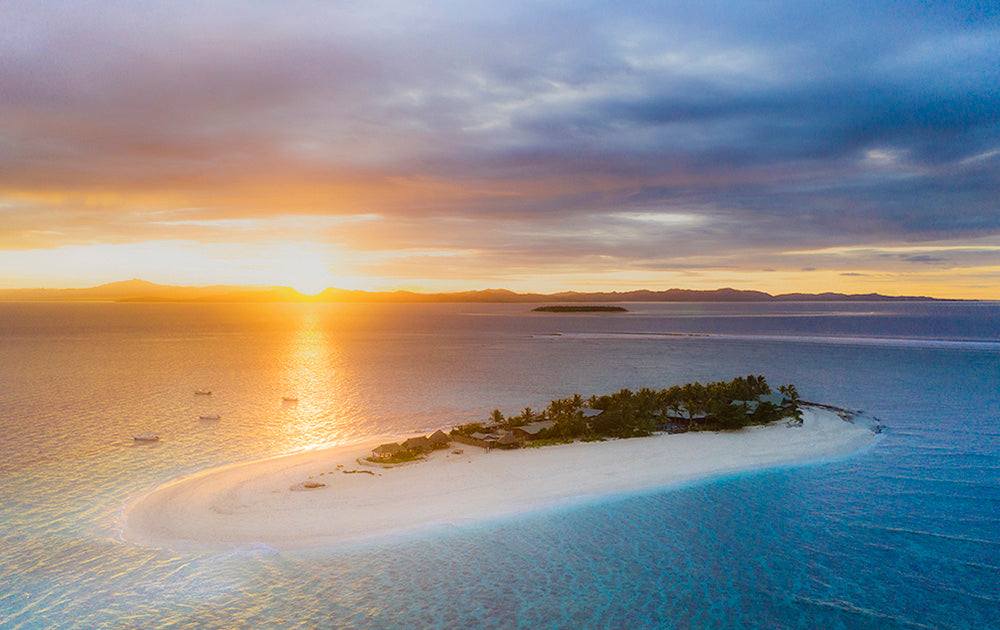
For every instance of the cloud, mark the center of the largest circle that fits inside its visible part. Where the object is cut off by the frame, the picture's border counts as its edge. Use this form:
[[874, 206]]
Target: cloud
[[646, 134], [925, 258]]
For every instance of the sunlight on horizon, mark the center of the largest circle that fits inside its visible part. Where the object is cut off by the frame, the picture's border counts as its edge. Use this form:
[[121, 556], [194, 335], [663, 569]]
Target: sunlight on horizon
[[310, 268]]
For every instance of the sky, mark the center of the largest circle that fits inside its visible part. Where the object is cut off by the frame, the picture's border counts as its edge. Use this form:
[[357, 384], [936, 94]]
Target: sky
[[542, 146]]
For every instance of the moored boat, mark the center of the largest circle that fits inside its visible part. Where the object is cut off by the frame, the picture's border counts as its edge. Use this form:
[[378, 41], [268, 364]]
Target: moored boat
[[202, 392], [146, 437], [211, 416]]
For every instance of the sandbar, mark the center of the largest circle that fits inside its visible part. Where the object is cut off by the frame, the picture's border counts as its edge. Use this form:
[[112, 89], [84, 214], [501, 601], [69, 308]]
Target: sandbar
[[307, 500]]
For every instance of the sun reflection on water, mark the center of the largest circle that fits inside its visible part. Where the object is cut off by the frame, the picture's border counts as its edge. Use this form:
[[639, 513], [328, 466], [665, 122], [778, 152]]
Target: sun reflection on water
[[312, 381]]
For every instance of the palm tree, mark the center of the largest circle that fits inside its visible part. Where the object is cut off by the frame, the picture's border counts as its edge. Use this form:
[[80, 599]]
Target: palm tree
[[496, 417], [792, 394]]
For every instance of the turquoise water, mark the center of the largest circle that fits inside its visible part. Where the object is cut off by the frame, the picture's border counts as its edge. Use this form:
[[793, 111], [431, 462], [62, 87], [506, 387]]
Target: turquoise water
[[905, 534]]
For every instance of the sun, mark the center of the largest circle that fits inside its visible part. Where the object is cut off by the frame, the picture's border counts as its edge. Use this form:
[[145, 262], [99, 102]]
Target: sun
[[309, 277], [312, 285], [304, 267]]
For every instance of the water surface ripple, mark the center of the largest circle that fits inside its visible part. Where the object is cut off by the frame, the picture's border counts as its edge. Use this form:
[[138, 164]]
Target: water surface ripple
[[903, 535]]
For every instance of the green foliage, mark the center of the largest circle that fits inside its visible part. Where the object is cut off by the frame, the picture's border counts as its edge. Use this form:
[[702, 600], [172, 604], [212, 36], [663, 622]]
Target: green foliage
[[792, 394], [727, 416], [722, 405]]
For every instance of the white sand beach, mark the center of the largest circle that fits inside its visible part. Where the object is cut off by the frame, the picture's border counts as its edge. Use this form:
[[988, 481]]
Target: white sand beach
[[269, 502]]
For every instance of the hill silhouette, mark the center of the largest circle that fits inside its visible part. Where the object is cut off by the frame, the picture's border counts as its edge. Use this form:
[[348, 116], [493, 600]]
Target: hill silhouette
[[136, 290]]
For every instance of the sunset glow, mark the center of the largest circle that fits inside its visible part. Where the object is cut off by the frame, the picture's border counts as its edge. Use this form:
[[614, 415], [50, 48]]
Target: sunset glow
[[535, 148]]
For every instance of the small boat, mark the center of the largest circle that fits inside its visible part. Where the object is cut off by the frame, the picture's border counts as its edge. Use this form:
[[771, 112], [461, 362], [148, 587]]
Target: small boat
[[146, 437], [202, 392], [289, 399], [211, 416]]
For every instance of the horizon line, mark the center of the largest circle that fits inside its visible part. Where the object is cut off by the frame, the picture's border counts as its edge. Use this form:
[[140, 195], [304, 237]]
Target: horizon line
[[139, 290]]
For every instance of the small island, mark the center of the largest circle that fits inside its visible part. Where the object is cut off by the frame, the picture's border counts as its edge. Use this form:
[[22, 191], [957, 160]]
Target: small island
[[318, 498], [720, 406], [582, 308]]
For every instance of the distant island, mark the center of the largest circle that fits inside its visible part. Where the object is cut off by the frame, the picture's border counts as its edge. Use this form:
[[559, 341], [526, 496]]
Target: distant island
[[580, 309], [142, 291]]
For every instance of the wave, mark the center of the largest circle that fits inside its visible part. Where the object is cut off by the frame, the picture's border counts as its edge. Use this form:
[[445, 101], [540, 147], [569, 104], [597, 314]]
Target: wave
[[979, 485], [963, 344], [936, 535], [848, 607]]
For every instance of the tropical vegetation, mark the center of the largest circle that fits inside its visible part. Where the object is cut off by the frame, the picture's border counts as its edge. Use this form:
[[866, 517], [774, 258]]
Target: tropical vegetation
[[722, 405]]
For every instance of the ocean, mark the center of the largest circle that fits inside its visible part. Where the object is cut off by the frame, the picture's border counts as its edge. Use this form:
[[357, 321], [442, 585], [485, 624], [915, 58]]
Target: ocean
[[905, 534]]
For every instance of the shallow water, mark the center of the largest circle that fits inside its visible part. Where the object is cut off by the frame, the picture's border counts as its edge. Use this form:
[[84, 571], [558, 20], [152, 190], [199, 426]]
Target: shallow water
[[905, 534]]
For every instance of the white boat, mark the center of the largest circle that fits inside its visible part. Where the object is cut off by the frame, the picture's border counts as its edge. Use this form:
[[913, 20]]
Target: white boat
[[202, 392], [211, 416], [146, 437]]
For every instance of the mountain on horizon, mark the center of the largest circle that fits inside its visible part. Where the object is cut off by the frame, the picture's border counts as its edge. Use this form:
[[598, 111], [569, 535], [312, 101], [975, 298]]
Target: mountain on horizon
[[137, 290]]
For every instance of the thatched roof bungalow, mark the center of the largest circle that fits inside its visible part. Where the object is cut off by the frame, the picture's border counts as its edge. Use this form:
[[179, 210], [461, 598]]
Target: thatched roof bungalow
[[485, 437], [418, 444], [508, 440], [480, 439], [385, 451], [439, 439]]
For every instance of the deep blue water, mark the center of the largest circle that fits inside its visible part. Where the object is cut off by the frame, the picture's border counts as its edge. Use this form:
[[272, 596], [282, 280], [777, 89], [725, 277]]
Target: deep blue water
[[905, 534]]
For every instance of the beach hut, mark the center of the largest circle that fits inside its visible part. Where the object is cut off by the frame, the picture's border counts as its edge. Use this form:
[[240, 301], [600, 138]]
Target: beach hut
[[385, 451], [485, 437], [483, 440], [439, 439], [418, 444], [590, 413], [531, 430], [749, 406], [508, 440], [684, 414], [778, 400]]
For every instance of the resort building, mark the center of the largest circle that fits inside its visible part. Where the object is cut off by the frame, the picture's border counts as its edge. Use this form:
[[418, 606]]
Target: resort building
[[778, 400], [749, 406], [439, 439], [385, 451], [418, 444], [530, 431], [508, 440], [482, 440]]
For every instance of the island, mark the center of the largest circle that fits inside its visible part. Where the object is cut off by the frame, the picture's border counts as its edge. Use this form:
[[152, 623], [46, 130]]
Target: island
[[490, 469], [582, 308]]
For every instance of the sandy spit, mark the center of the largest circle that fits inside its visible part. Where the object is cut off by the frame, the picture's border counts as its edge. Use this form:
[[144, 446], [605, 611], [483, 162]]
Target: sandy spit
[[308, 500]]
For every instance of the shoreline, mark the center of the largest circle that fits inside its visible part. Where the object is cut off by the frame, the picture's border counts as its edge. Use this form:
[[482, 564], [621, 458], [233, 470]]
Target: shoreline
[[270, 502]]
